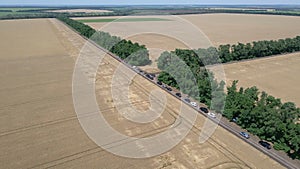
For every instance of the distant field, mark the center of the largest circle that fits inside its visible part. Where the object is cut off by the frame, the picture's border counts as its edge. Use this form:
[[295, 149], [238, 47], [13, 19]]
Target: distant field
[[243, 9], [80, 11], [273, 75], [122, 20], [278, 76], [219, 28], [21, 9]]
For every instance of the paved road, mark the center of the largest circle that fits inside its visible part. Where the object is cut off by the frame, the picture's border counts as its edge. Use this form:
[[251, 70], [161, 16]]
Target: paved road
[[234, 129], [223, 122], [253, 141]]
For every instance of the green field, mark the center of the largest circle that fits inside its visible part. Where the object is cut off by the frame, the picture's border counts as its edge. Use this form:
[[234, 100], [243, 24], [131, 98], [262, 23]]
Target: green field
[[14, 13], [22, 9], [123, 20]]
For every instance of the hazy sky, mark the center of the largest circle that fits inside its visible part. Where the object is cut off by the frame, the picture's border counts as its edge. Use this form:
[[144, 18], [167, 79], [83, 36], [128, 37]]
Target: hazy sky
[[139, 2]]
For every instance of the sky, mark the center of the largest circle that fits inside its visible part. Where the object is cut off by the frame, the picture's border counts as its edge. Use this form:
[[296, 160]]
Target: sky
[[143, 2]]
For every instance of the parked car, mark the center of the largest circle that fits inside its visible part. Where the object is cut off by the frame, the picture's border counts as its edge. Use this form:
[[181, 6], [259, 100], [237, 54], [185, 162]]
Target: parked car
[[205, 110], [187, 100], [149, 76], [159, 83], [212, 115], [265, 144], [141, 72], [235, 119], [178, 94], [244, 134], [194, 104], [169, 89], [137, 69], [152, 74]]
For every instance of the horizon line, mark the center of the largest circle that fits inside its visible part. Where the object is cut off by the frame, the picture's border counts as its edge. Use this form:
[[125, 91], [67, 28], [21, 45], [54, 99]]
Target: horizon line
[[97, 5]]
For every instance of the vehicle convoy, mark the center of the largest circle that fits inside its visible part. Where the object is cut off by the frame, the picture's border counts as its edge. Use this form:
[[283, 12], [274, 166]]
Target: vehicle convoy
[[210, 114]]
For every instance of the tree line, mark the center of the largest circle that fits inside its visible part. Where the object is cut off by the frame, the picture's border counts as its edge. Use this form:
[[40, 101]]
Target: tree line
[[258, 49], [43, 13], [183, 70], [81, 28], [13, 15], [259, 113], [5, 10], [236, 52], [132, 53], [265, 116]]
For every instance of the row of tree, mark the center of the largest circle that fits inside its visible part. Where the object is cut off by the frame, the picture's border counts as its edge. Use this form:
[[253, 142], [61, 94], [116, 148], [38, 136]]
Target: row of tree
[[5, 10], [258, 49], [240, 51], [46, 13], [259, 113], [81, 28], [13, 15], [182, 69], [132, 53], [266, 117]]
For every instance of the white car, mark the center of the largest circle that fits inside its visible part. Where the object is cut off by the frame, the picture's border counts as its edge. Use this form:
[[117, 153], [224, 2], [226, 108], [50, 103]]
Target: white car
[[212, 115], [194, 104]]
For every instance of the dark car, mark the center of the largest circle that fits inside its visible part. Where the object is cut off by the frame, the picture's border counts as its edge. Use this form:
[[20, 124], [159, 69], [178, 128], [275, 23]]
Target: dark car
[[169, 88], [244, 134], [149, 76], [204, 109], [152, 74], [178, 94], [159, 83], [141, 72], [187, 100], [265, 144]]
